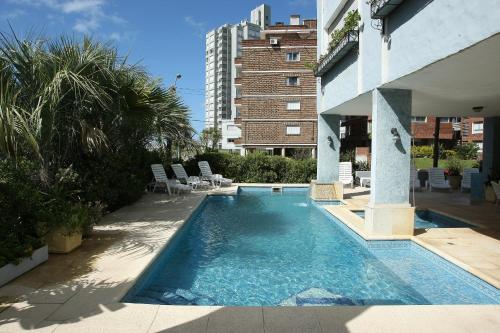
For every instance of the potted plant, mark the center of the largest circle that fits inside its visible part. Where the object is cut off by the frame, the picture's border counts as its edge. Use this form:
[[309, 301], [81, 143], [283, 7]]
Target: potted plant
[[69, 217], [455, 167]]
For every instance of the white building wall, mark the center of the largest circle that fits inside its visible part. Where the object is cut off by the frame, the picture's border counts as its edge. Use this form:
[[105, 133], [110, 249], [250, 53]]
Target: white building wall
[[418, 33]]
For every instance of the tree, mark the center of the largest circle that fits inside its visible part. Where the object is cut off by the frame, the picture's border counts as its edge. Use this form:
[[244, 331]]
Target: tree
[[210, 138]]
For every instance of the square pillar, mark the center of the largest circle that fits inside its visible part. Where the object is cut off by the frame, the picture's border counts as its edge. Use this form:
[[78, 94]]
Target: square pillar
[[328, 148], [389, 211], [491, 148], [327, 185], [283, 152]]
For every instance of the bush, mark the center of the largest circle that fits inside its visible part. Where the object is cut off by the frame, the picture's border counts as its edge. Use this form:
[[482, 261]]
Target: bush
[[422, 151], [24, 217], [468, 151], [256, 168]]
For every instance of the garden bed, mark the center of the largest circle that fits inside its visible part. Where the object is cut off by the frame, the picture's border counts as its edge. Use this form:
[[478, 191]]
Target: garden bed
[[11, 271]]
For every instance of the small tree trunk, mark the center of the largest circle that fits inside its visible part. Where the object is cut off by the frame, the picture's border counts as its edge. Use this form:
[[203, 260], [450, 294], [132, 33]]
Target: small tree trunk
[[437, 129]]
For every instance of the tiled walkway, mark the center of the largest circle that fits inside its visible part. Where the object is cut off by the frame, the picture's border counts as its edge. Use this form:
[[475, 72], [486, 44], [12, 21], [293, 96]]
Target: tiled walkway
[[81, 292]]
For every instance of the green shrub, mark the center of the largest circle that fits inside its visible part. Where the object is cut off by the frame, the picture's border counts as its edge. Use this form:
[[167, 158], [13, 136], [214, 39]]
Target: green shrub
[[256, 168], [24, 217], [467, 151]]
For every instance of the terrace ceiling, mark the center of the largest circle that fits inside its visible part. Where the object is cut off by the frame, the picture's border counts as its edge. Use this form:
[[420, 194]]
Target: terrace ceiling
[[449, 87]]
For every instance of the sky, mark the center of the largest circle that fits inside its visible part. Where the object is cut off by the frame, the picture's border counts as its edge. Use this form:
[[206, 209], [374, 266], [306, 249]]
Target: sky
[[167, 37]]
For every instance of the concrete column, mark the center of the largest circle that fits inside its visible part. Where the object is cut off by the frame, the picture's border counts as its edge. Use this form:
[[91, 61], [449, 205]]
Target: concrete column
[[328, 150], [283, 152], [327, 186], [491, 148], [243, 152], [389, 211], [313, 153]]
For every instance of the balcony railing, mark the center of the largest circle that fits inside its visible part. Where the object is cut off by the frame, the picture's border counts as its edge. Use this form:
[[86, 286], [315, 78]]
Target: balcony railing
[[382, 8], [338, 52]]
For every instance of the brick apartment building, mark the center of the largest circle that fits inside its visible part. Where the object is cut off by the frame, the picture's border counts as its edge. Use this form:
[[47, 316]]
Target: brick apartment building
[[276, 91], [472, 131]]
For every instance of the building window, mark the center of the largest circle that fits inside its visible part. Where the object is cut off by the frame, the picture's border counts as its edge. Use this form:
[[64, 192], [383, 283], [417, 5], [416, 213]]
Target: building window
[[230, 140], [292, 81], [480, 146], [419, 119], [449, 120], [293, 106], [477, 128], [293, 56], [293, 130]]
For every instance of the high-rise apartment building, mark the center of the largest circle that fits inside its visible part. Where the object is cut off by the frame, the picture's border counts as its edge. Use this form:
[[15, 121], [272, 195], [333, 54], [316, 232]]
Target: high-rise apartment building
[[223, 45], [261, 16], [276, 101]]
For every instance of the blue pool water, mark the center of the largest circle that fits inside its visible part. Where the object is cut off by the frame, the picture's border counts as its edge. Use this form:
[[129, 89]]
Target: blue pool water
[[425, 219], [259, 248]]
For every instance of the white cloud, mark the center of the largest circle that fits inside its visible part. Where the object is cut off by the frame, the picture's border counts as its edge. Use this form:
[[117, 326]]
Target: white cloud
[[198, 27], [89, 15], [13, 14]]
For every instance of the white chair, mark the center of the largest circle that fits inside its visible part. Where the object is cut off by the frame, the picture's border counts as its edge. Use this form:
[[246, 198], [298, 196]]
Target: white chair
[[414, 181], [363, 177], [181, 175], [496, 188], [467, 178], [161, 180], [214, 179], [345, 173], [437, 179]]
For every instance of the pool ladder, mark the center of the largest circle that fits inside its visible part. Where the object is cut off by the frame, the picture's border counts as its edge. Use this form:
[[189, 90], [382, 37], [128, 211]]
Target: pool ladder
[[277, 190]]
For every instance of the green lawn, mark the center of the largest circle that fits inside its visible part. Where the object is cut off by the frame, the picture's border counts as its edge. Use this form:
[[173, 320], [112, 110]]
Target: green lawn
[[425, 163]]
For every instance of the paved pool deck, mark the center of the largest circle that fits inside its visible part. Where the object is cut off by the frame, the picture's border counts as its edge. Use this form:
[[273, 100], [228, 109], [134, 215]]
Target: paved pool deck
[[81, 291]]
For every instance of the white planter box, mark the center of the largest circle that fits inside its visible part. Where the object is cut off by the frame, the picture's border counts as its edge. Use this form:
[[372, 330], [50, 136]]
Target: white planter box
[[10, 271]]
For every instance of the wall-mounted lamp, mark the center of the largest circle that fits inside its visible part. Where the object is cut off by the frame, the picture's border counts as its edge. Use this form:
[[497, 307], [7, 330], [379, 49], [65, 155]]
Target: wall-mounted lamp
[[395, 135]]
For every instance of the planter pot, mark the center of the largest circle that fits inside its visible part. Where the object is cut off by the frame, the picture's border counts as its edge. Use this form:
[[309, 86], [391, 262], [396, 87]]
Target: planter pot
[[61, 243], [11, 271], [489, 193], [455, 181]]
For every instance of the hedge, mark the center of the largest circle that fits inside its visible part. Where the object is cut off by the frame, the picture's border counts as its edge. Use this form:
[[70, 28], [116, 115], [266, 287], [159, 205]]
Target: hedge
[[256, 168]]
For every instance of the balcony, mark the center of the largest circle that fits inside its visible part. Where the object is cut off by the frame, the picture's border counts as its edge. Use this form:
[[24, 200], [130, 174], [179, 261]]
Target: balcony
[[382, 8], [237, 80], [350, 41]]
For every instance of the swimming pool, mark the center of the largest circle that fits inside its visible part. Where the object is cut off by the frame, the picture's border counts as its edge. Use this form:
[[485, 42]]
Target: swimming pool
[[426, 219], [259, 248]]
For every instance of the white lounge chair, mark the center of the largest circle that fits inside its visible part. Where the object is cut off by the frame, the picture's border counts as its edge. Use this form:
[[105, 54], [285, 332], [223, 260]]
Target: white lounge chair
[[214, 179], [467, 178], [414, 181], [496, 188], [437, 180], [363, 177], [161, 181], [182, 176], [345, 173]]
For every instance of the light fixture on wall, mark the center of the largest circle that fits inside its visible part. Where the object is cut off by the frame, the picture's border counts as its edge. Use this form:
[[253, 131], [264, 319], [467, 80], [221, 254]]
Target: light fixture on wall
[[330, 141], [395, 135], [477, 109]]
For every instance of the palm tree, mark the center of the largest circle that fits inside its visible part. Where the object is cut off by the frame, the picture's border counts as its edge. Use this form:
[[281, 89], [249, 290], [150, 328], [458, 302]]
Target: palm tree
[[64, 100]]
